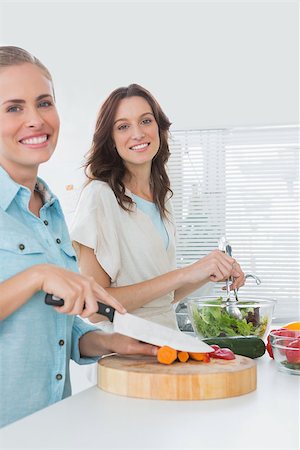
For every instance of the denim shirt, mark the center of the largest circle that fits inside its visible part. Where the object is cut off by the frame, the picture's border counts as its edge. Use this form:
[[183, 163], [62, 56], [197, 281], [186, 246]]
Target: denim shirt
[[36, 342]]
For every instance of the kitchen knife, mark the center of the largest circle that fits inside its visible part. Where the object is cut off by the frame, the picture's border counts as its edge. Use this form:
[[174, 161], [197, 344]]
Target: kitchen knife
[[144, 330]]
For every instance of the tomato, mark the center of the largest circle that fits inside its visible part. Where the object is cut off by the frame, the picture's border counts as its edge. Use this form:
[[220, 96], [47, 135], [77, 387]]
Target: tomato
[[293, 352]]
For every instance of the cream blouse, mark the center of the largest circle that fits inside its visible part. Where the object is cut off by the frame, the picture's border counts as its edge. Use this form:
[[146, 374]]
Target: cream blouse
[[127, 245]]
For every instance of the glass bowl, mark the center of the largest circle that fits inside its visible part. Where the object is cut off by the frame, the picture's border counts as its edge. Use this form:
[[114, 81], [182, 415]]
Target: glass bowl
[[286, 350], [211, 317]]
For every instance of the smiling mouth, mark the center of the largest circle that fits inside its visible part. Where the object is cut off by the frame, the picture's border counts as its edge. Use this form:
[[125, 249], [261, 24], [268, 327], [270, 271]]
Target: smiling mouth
[[140, 146], [35, 140]]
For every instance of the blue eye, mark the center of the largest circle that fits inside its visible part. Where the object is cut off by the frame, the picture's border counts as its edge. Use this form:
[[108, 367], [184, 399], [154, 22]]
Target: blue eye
[[15, 108], [45, 104]]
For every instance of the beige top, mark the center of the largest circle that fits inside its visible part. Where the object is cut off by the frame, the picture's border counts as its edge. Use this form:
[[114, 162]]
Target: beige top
[[126, 244]]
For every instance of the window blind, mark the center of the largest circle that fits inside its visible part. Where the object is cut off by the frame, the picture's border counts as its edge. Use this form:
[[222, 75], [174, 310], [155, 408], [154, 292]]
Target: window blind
[[242, 183]]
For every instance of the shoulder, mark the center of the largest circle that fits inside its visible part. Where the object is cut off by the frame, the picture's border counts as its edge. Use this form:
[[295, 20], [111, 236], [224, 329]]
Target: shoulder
[[95, 186], [96, 189], [97, 195]]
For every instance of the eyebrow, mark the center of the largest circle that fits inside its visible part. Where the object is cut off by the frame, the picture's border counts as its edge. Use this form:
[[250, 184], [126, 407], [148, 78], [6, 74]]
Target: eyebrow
[[18, 100], [142, 115]]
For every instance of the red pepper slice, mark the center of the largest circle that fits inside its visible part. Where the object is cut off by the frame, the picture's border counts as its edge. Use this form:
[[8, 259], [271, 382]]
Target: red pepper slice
[[215, 347], [278, 332], [293, 352], [223, 353]]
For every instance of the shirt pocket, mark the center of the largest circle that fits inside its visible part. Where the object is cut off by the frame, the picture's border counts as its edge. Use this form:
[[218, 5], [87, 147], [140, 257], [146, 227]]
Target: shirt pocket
[[18, 253]]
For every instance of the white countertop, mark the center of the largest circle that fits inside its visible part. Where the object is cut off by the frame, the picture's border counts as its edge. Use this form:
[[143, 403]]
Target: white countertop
[[267, 418]]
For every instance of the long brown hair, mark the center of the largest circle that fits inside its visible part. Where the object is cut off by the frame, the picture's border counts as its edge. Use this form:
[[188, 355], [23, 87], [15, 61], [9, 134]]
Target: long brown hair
[[104, 163]]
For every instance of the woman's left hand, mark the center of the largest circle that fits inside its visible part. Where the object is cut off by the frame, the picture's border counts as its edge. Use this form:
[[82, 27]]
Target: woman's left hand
[[100, 343], [125, 345]]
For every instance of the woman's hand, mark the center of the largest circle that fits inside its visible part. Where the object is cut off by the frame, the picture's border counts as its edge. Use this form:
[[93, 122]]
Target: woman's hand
[[80, 293], [99, 343], [124, 345], [216, 266], [238, 276]]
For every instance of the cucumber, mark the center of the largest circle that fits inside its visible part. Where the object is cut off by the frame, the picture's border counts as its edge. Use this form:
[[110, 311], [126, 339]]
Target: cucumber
[[252, 347]]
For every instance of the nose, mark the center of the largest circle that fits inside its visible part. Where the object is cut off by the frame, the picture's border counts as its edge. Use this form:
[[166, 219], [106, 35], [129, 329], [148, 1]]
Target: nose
[[34, 119], [137, 133]]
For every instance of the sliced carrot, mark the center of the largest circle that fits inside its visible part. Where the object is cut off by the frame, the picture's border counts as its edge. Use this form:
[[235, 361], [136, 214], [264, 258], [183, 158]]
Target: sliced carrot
[[200, 356], [166, 355], [183, 356]]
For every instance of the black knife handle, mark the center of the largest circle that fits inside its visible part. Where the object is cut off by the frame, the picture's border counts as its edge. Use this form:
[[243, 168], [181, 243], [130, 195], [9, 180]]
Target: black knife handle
[[104, 310], [107, 311], [53, 301]]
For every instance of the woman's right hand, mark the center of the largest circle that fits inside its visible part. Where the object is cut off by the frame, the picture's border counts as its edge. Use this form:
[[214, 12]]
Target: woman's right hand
[[79, 292], [216, 266]]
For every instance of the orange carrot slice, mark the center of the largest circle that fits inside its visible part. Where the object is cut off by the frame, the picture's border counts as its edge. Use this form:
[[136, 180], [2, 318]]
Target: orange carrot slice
[[200, 356], [183, 356], [166, 355]]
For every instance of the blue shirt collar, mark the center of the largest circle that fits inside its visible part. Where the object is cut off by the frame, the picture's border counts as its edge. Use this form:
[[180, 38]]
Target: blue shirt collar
[[10, 188]]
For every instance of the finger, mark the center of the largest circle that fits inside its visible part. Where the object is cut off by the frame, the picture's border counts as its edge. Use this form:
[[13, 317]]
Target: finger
[[74, 304], [79, 304], [108, 299], [225, 269], [141, 348], [148, 349], [238, 282], [90, 304], [69, 300], [224, 257], [217, 275]]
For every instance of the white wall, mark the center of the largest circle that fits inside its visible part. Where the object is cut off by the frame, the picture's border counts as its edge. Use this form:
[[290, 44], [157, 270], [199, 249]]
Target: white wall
[[210, 64]]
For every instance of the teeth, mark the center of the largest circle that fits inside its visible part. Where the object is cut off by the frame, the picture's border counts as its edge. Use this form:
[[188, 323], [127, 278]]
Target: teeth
[[139, 147], [35, 140]]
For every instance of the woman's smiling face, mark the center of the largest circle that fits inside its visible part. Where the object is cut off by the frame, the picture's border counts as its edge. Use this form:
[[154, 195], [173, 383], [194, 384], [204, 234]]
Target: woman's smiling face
[[135, 132], [29, 123]]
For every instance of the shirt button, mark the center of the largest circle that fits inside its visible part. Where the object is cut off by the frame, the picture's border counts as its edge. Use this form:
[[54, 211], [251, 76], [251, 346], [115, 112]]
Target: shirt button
[[46, 222], [22, 247], [59, 376], [58, 240], [61, 342]]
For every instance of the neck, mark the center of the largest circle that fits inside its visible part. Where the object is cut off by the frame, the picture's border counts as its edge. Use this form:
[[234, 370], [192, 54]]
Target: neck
[[26, 176], [138, 182]]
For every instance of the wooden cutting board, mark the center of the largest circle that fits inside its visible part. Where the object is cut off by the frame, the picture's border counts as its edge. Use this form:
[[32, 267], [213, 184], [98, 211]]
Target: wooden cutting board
[[144, 377]]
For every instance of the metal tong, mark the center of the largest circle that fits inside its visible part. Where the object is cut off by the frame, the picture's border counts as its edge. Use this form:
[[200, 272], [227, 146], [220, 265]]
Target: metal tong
[[233, 310]]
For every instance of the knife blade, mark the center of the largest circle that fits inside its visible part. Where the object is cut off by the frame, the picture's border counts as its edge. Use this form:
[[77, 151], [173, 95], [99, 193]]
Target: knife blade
[[144, 330]]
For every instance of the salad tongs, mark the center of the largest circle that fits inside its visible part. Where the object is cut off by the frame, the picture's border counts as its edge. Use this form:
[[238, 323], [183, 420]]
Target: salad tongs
[[230, 301]]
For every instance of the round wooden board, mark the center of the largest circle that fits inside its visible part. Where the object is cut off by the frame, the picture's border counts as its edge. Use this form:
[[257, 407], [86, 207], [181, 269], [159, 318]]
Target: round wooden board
[[145, 377]]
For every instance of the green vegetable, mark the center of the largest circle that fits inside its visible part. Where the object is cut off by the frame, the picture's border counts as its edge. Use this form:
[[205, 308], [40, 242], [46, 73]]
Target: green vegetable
[[215, 321], [252, 347]]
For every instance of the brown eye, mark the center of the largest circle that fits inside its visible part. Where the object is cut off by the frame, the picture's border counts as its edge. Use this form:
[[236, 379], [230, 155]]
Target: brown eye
[[123, 127], [147, 121]]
